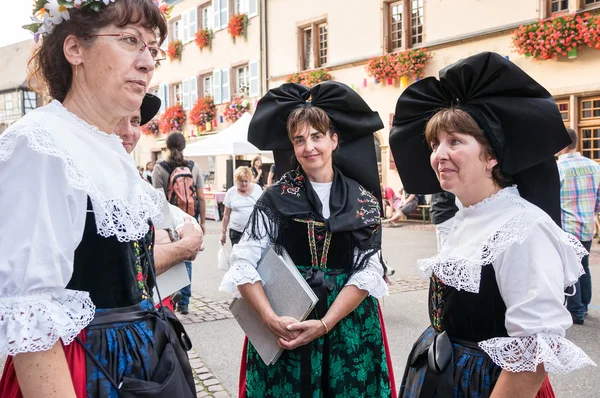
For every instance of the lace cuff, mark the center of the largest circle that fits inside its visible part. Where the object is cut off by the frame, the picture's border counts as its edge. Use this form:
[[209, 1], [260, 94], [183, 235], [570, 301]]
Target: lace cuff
[[35, 322], [370, 281], [524, 354], [239, 273]]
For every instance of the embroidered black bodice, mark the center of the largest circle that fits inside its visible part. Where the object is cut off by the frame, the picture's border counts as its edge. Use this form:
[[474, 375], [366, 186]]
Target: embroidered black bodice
[[114, 273], [308, 243], [468, 316]]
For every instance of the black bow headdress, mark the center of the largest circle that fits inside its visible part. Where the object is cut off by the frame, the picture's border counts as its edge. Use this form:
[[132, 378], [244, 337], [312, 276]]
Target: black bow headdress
[[351, 117], [518, 116]]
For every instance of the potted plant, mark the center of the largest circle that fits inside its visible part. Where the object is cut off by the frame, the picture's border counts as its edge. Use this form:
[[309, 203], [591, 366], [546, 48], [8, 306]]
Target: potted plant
[[204, 38], [402, 65], [238, 26], [235, 109], [172, 120], [174, 50], [557, 36], [151, 128], [203, 113], [310, 78]]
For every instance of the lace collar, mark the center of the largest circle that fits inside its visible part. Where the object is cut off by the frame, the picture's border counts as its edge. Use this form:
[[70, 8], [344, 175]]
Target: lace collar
[[96, 163], [482, 232]]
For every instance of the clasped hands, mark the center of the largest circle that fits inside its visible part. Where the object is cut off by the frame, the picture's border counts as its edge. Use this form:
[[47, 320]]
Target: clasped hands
[[193, 235], [293, 334]]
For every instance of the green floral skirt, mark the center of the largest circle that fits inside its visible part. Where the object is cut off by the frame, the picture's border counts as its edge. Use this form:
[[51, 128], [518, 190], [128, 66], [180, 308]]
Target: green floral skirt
[[350, 361]]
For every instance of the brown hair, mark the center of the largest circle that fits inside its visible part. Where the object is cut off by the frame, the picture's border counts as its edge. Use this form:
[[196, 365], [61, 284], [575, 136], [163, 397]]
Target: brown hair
[[255, 159], [453, 120], [574, 139], [176, 145], [311, 116], [49, 70]]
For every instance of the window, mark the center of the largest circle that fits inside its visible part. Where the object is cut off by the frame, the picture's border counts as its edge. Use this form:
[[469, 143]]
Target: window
[[8, 102], [177, 94], [558, 6], [238, 6], [590, 109], [591, 2], [563, 108], [206, 17], [313, 45], [176, 28], [308, 48], [29, 100], [221, 86], [589, 127], [242, 80], [322, 44], [220, 9], [403, 24], [395, 21], [416, 21], [207, 86]]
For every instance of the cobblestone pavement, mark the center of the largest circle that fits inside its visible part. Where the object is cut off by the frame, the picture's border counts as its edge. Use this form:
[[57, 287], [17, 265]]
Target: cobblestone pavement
[[202, 309], [398, 285], [207, 384]]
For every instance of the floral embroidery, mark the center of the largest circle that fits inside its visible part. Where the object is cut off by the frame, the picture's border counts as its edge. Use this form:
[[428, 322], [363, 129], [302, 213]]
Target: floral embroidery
[[369, 209], [437, 303], [142, 269], [292, 183]]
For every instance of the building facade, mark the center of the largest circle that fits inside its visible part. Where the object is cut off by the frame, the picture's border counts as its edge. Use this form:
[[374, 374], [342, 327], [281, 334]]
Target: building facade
[[225, 70], [16, 98], [342, 35]]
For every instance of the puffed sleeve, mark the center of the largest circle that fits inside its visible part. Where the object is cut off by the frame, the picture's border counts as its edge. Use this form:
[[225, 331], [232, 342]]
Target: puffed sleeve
[[244, 258], [42, 224], [370, 278], [531, 278]]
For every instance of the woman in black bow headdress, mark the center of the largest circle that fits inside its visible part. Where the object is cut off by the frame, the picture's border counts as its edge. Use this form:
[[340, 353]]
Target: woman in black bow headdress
[[329, 223], [496, 294]]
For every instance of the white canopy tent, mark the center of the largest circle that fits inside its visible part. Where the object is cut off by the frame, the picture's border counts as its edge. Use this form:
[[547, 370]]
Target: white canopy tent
[[232, 141]]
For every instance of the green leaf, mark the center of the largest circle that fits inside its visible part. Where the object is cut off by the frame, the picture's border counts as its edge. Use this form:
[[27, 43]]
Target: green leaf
[[38, 5], [32, 27]]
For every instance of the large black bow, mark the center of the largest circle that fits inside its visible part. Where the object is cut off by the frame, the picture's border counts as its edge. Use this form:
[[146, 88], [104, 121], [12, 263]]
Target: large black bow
[[352, 119], [518, 116]]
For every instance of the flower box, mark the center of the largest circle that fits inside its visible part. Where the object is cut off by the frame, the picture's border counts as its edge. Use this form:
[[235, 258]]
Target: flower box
[[238, 26], [175, 49], [203, 113], [235, 109], [204, 38], [172, 120]]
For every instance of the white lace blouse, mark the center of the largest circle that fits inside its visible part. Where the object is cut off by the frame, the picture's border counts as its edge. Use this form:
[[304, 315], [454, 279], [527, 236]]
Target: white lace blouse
[[533, 261], [246, 254], [50, 163]]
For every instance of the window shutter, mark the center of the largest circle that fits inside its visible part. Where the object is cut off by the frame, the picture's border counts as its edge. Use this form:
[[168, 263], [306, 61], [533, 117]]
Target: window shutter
[[226, 89], [185, 94], [163, 99], [193, 23], [210, 19], [217, 87], [216, 11], [165, 44], [224, 13], [254, 72], [193, 91], [183, 28], [252, 8], [166, 95]]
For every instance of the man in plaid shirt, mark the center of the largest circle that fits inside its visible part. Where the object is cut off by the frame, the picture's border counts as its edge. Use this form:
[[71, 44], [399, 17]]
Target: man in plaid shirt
[[580, 201]]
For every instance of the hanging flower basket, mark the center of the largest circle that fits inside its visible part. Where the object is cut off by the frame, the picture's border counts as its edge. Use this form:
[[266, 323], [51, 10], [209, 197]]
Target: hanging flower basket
[[203, 113], [310, 78], [238, 26], [175, 49], [408, 64], [172, 120], [235, 109], [151, 128], [557, 36], [204, 38]]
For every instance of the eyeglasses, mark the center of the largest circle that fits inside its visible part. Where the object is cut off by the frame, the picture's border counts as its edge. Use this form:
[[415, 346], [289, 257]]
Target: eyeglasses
[[132, 43]]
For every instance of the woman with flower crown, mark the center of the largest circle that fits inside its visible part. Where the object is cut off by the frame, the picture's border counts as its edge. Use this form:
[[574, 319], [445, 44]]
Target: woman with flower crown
[[76, 253]]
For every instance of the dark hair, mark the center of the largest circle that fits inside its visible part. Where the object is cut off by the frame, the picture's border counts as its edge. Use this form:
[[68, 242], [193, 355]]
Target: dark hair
[[454, 120], [50, 72], [176, 145], [255, 159], [574, 139]]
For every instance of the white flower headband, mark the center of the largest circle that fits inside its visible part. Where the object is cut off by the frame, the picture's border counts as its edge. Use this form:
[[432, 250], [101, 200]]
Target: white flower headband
[[49, 13]]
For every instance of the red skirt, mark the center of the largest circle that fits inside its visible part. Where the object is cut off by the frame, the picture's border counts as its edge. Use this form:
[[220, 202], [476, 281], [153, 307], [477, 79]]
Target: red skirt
[[75, 354]]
